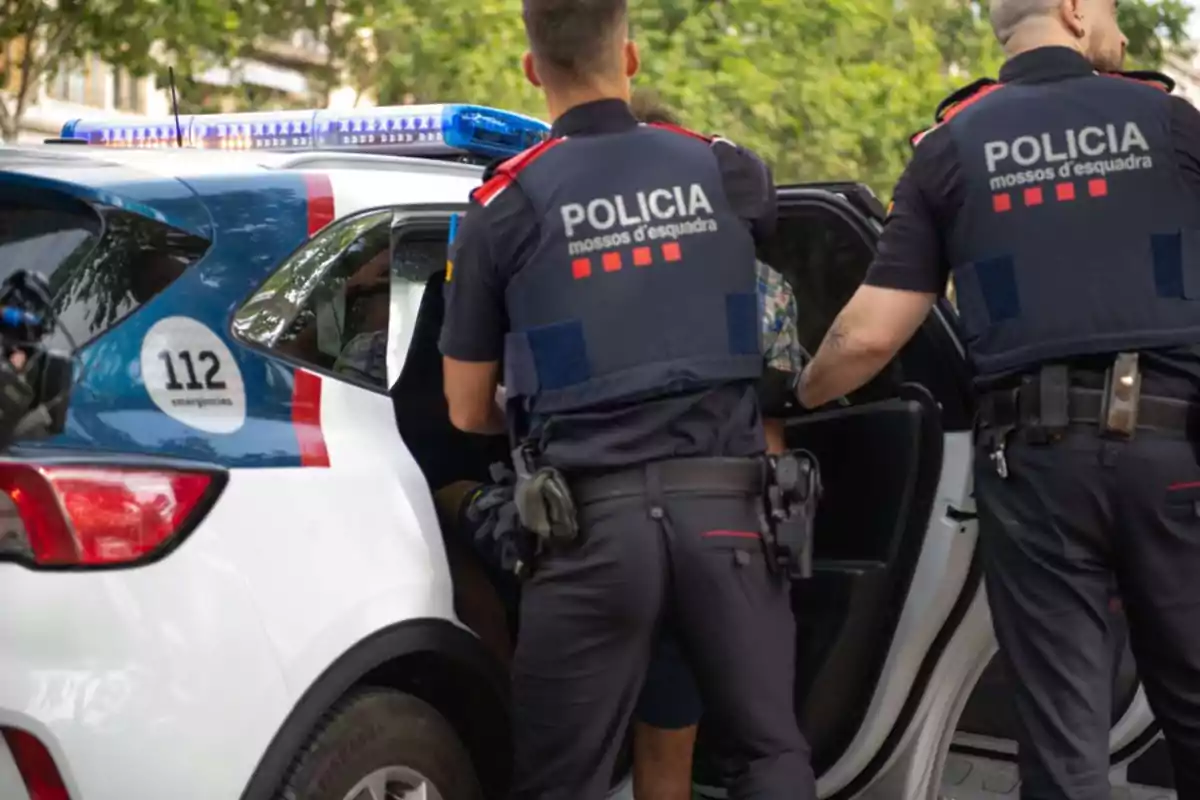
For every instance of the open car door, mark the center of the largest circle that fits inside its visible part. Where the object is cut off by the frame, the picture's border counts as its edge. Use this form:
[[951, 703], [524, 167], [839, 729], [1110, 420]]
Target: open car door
[[886, 641]]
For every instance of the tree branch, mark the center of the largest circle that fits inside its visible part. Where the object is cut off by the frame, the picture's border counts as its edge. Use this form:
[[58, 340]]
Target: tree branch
[[28, 61]]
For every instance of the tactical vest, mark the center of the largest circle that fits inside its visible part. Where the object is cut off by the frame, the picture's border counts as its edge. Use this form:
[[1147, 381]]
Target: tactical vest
[[1078, 235], [641, 282]]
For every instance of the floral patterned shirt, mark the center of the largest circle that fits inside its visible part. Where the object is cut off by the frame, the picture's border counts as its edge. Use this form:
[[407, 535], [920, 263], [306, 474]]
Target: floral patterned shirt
[[780, 340]]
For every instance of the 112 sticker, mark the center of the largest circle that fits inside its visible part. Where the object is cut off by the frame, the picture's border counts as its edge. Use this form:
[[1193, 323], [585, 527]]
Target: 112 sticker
[[191, 375]]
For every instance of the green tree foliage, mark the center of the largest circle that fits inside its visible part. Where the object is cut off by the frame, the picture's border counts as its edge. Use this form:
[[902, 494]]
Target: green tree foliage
[[338, 26], [138, 35], [824, 89]]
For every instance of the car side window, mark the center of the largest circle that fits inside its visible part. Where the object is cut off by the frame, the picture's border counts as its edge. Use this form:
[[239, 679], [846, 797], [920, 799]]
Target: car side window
[[345, 304], [327, 306], [100, 262], [824, 257], [419, 249]]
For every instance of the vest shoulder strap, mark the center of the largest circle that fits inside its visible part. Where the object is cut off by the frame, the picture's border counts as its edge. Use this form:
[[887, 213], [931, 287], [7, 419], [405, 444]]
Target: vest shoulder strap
[[505, 174], [666, 126], [712, 141], [955, 103], [1148, 77], [963, 96]]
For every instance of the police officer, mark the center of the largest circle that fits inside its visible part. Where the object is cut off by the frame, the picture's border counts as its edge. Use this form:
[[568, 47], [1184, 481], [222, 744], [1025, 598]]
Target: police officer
[[668, 712], [669, 707], [1065, 202], [616, 264]]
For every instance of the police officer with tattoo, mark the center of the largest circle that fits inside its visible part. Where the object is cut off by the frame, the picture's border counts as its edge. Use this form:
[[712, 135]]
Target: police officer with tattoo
[[612, 269], [1064, 200]]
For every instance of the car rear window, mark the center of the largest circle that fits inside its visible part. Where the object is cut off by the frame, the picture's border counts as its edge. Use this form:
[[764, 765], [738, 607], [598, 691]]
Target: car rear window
[[102, 262]]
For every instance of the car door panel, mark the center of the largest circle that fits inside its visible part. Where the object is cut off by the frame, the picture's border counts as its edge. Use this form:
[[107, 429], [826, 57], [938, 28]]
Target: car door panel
[[445, 453], [863, 628], [871, 524]]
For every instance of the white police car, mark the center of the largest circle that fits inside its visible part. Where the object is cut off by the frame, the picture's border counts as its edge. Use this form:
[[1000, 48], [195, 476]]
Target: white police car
[[225, 578]]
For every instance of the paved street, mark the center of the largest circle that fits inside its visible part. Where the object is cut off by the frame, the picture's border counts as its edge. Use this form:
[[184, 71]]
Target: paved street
[[977, 779]]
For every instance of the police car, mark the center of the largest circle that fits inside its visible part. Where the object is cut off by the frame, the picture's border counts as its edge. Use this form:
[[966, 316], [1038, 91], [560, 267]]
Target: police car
[[226, 578]]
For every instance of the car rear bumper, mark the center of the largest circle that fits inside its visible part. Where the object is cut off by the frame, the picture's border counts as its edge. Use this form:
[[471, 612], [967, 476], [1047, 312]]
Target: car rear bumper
[[151, 682]]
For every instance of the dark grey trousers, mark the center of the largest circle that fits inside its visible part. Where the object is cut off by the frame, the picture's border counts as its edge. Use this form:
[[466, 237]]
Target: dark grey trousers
[[1075, 520], [589, 617]]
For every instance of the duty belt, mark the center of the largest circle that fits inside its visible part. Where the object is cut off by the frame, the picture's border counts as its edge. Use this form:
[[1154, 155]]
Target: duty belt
[[787, 487], [1045, 404], [711, 476], [1021, 407]]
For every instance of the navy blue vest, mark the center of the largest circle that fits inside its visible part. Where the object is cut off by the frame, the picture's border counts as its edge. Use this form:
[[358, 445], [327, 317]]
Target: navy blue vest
[[642, 281], [1078, 235]]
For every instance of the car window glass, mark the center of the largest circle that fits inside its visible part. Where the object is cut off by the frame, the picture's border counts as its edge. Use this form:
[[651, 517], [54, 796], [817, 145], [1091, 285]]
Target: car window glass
[[417, 254], [824, 258], [101, 262], [341, 303]]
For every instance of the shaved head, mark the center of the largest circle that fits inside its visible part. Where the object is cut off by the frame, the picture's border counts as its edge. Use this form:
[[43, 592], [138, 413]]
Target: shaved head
[[1009, 15], [1087, 26]]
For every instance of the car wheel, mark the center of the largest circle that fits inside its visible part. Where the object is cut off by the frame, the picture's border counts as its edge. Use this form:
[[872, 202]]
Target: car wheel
[[383, 745]]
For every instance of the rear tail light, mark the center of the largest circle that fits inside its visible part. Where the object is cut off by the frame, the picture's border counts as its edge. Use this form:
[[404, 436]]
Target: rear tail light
[[92, 516], [36, 765]]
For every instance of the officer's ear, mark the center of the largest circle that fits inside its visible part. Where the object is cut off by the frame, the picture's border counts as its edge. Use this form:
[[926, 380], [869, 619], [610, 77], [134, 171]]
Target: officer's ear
[[1071, 12], [633, 60], [531, 70]]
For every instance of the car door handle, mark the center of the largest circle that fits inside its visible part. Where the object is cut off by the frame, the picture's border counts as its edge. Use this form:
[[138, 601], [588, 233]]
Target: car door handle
[[958, 515]]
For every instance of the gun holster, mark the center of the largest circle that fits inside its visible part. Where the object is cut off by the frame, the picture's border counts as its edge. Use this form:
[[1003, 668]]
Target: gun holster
[[499, 537], [793, 493], [543, 499]]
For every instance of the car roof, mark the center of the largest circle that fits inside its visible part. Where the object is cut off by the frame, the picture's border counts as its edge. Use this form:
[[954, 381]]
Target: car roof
[[190, 162], [358, 181]]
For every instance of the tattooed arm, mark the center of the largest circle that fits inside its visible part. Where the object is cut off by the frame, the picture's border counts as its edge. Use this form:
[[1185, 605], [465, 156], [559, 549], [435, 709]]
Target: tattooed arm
[[866, 335], [908, 273]]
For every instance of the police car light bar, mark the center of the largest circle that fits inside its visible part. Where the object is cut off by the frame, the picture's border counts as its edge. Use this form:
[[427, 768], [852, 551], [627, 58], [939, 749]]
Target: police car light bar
[[427, 130]]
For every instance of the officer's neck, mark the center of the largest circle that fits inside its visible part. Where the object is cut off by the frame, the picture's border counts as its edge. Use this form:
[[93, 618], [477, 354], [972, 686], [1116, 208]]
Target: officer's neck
[[1035, 36], [560, 101]]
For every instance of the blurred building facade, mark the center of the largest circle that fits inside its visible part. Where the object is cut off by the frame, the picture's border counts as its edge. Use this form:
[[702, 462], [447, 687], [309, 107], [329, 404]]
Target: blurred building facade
[[279, 75]]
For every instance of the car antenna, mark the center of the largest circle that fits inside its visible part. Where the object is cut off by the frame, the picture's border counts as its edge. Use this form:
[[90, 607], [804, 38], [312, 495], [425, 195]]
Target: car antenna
[[175, 106]]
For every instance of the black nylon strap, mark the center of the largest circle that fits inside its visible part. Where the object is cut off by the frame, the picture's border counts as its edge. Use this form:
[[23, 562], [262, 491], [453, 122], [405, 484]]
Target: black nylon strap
[[1019, 407], [686, 475]]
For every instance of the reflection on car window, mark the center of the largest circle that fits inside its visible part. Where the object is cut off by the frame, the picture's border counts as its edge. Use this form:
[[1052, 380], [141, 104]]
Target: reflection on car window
[[283, 300], [328, 305], [347, 302], [418, 255], [101, 262]]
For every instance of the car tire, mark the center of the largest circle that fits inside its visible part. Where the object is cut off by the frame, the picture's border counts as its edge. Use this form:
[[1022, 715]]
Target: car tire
[[378, 738]]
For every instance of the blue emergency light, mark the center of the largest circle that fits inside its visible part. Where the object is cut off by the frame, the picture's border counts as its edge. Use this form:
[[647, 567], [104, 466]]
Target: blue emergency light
[[425, 130]]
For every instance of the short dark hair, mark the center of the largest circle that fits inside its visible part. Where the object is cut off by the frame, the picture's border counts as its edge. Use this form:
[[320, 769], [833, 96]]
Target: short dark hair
[[571, 38], [648, 107]]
